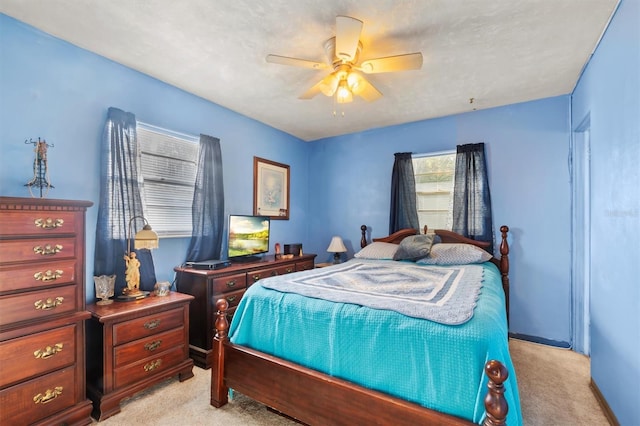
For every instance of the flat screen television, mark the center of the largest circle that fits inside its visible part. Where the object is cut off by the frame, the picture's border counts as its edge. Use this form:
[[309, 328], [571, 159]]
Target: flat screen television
[[248, 237]]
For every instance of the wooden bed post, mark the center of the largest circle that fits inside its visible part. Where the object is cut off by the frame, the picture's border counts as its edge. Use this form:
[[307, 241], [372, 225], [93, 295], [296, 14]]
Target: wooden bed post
[[495, 403], [504, 265], [219, 392], [363, 239]]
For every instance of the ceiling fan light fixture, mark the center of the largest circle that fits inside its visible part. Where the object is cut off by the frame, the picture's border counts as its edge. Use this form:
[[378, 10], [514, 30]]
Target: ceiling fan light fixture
[[343, 94]]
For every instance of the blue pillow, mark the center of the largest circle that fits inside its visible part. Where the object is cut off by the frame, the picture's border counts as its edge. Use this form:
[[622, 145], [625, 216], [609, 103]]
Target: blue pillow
[[414, 247]]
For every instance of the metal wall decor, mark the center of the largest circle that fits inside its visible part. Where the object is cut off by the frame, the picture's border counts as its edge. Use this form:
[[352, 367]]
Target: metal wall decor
[[40, 177]]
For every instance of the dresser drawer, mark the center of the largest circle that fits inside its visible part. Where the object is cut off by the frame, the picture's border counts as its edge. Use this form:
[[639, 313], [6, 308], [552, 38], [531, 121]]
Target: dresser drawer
[[304, 266], [36, 305], [147, 326], [143, 348], [37, 249], [229, 283], [38, 223], [32, 275], [254, 276], [37, 354], [147, 367], [233, 298], [36, 399]]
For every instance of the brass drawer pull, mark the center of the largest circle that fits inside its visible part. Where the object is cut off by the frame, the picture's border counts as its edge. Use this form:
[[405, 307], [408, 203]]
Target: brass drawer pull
[[152, 365], [48, 352], [152, 346], [49, 303], [47, 250], [231, 299], [48, 396], [256, 278], [48, 223], [289, 270], [231, 283], [48, 275], [152, 324]]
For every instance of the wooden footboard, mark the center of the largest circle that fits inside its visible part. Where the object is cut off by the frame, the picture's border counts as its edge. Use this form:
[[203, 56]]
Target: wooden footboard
[[316, 398]]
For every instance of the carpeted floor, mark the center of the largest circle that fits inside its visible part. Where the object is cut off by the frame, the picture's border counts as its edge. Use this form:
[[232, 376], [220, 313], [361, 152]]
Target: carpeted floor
[[553, 383]]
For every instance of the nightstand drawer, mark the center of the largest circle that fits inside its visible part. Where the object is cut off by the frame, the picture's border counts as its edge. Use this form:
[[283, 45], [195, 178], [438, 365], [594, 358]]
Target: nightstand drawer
[[38, 223], [37, 249], [128, 331], [36, 354], [38, 304], [229, 283], [37, 274], [36, 399], [143, 348], [147, 367]]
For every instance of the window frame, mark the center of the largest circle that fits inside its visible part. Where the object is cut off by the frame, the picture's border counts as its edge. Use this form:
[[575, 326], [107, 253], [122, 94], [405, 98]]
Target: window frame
[[448, 222]]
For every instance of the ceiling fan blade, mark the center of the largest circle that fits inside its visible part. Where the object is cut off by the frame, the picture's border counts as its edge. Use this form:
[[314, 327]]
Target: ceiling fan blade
[[326, 86], [284, 60], [410, 61], [347, 37], [361, 87]]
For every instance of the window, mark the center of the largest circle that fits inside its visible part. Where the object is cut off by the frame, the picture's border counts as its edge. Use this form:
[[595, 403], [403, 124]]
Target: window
[[168, 166], [434, 176]]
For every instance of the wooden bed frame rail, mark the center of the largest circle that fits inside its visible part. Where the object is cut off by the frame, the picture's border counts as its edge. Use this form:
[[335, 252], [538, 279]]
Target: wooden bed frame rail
[[311, 397]]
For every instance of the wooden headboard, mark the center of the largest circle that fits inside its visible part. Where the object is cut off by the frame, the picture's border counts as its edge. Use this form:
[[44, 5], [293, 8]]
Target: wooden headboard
[[451, 237]]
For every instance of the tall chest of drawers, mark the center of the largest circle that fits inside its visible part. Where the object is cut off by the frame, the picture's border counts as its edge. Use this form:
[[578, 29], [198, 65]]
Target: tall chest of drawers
[[42, 312]]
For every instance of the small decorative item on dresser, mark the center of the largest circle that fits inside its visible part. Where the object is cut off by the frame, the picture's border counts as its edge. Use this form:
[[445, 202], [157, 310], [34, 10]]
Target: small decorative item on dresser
[[40, 177], [105, 285], [162, 288]]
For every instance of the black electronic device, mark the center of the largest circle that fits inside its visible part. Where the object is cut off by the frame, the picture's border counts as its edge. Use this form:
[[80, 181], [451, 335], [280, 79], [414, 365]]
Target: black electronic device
[[209, 264]]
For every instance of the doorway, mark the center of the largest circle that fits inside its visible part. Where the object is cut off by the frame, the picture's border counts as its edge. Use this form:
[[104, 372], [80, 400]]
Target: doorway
[[581, 237]]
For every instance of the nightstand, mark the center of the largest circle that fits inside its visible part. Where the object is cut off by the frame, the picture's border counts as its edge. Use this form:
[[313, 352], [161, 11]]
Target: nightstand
[[133, 345]]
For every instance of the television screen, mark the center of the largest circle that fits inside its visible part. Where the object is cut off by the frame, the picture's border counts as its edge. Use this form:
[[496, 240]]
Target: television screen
[[248, 236]]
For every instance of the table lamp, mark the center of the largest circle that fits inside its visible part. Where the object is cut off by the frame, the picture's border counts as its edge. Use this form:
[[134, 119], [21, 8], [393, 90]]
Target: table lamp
[[144, 239], [336, 247]]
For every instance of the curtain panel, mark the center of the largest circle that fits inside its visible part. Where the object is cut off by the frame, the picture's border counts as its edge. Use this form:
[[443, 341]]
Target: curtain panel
[[120, 201], [472, 215], [208, 203], [404, 211]]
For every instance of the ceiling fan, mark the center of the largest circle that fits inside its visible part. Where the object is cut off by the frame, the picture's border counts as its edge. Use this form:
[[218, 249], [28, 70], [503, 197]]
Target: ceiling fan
[[343, 52]]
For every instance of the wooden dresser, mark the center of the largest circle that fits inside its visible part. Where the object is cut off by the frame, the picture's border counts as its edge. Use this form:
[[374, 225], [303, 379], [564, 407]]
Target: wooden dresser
[[42, 312], [133, 345], [231, 283]]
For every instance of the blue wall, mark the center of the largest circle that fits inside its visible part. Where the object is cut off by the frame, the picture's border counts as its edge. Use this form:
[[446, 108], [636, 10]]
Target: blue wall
[[608, 94]]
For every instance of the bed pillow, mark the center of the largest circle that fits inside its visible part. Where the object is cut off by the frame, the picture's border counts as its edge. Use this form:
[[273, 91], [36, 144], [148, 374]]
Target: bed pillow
[[377, 250], [414, 248], [455, 254]]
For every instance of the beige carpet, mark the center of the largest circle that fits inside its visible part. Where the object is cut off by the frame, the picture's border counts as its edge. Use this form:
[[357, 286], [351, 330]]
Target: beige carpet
[[553, 383]]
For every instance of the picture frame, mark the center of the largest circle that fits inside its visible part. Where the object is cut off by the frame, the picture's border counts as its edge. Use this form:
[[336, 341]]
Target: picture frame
[[270, 189]]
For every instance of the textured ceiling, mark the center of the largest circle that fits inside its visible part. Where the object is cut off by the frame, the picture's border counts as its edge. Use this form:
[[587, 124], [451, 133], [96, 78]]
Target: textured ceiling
[[497, 52]]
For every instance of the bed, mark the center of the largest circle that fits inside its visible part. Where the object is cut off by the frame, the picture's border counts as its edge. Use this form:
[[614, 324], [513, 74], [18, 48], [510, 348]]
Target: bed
[[330, 362]]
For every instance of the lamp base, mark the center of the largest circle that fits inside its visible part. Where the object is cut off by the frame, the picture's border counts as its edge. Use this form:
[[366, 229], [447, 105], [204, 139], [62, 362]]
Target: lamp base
[[131, 297], [336, 258]]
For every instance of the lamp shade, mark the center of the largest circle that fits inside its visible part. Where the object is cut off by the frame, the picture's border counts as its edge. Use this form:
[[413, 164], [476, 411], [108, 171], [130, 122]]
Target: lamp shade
[[336, 245], [146, 239]]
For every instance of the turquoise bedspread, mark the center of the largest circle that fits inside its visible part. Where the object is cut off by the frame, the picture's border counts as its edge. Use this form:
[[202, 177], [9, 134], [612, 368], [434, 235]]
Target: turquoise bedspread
[[435, 365]]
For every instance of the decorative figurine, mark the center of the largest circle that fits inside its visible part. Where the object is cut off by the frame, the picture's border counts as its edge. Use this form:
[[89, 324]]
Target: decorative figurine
[[132, 274], [40, 168]]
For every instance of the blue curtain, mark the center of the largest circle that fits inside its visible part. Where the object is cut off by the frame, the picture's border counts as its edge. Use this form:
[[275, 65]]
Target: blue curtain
[[208, 203], [404, 211], [471, 196], [119, 201]]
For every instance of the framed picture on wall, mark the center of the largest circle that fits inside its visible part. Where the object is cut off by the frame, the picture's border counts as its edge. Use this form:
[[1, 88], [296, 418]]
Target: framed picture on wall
[[270, 189]]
